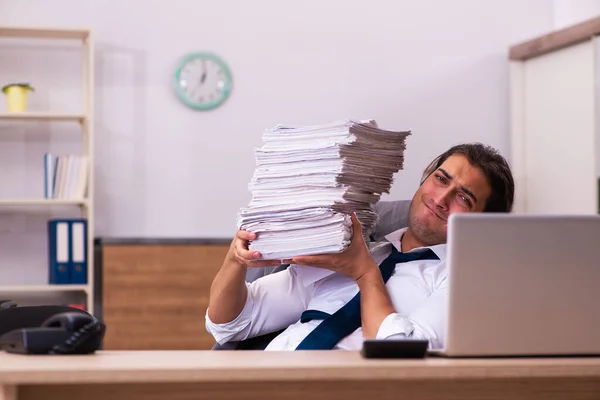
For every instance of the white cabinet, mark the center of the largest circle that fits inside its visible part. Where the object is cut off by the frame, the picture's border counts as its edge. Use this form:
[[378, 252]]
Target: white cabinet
[[554, 121]]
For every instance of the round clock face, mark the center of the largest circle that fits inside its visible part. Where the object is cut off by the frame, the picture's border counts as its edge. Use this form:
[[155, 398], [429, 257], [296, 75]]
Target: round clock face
[[202, 81]]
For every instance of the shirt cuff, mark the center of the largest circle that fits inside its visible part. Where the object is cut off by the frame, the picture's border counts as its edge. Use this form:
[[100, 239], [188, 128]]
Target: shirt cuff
[[232, 330], [394, 325]]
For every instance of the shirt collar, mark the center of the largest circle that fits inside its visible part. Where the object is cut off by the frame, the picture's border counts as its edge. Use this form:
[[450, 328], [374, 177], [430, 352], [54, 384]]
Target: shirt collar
[[394, 239]]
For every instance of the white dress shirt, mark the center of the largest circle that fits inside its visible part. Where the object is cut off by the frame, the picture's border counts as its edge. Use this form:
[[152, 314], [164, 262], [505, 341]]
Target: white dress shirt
[[418, 290]]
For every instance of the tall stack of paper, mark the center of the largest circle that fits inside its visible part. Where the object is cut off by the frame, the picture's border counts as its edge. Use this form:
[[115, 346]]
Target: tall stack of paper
[[308, 179]]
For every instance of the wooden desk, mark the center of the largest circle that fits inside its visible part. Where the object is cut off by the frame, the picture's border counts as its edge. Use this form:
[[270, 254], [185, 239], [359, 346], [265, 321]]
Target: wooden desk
[[120, 375]]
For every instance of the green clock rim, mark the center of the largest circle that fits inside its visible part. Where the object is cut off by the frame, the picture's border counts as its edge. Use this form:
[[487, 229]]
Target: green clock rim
[[226, 89]]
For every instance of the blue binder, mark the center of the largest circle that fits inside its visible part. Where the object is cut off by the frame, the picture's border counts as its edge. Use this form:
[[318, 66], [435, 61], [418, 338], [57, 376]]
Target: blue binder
[[67, 251], [79, 256], [59, 251]]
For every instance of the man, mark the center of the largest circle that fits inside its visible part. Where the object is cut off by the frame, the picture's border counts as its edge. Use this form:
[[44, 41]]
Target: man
[[411, 304]]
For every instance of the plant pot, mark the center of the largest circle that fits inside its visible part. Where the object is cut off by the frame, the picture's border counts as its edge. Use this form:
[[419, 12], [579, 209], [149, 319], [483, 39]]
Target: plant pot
[[16, 97]]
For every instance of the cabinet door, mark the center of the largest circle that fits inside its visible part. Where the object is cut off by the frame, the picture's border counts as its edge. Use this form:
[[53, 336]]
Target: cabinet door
[[155, 296]]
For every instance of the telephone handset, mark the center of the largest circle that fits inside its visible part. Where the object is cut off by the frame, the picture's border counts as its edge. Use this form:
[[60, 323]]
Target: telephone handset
[[49, 330]]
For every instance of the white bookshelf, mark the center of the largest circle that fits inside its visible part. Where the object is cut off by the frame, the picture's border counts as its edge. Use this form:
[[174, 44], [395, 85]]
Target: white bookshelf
[[42, 116], [45, 32], [42, 202], [85, 120], [43, 288]]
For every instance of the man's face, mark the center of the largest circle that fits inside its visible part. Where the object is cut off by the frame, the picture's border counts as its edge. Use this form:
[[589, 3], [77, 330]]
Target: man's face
[[456, 186]]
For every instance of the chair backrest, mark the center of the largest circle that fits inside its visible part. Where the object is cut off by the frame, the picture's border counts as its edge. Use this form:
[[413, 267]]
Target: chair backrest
[[393, 215]]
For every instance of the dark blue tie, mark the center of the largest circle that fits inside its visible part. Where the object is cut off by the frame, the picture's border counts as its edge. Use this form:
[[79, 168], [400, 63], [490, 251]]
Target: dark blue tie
[[347, 319]]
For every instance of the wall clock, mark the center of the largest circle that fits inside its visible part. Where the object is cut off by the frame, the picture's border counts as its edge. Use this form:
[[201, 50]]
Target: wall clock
[[202, 80]]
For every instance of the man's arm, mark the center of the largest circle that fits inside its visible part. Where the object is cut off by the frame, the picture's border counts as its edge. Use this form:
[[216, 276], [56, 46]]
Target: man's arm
[[427, 321], [375, 303], [380, 320], [228, 291], [238, 310], [273, 302]]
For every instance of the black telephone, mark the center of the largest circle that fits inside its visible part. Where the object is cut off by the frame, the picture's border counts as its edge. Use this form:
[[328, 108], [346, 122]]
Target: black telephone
[[48, 330]]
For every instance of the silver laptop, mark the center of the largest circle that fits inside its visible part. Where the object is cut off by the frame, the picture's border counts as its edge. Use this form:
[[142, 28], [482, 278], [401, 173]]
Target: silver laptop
[[523, 285]]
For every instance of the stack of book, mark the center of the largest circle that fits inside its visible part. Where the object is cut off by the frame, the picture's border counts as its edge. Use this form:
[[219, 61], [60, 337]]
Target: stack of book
[[65, 177], [308, 179]]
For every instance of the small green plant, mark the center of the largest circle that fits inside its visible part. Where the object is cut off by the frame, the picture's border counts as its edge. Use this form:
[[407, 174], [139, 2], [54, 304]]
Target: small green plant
[[23, 85]]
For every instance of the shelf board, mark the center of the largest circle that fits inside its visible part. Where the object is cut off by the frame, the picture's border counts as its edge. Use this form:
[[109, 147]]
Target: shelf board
[[42, 116], [30, 202], [43, 288], [43, 33]]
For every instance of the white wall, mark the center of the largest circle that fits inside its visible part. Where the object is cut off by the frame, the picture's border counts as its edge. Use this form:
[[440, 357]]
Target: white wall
[[570, 12], [163, 170]]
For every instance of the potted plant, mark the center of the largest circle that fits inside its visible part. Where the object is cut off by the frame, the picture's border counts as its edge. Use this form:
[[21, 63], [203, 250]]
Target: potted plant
[[16, 94]]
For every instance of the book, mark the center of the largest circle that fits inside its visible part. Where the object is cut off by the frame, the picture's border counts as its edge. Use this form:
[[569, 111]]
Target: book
[[66, 177]]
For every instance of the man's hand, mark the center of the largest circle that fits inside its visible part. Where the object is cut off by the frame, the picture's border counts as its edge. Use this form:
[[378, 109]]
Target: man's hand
[[355, 261], [239, 254]]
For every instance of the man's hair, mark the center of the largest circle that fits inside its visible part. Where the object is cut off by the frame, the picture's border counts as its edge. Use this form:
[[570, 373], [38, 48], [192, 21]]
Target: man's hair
[[495, 168]]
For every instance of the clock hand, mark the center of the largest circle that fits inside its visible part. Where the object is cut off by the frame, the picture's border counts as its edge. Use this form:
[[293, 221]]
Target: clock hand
[[203, 78]]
